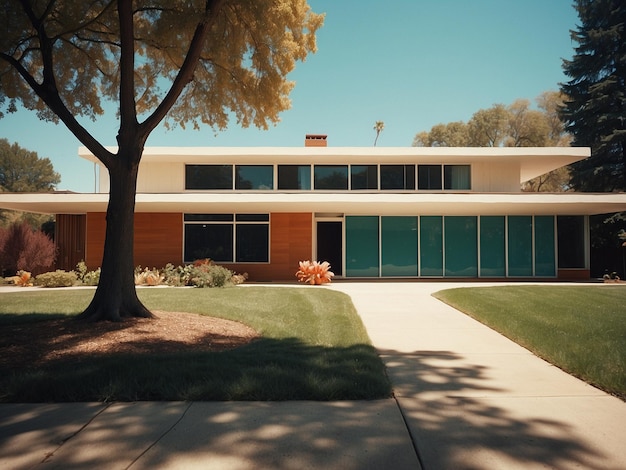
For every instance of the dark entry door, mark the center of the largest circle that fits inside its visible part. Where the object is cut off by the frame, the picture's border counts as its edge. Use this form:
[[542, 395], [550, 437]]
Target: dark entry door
[[329, 241]]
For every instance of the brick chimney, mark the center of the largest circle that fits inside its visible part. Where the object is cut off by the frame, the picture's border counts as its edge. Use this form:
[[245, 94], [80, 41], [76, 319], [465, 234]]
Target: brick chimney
[[315, 140]]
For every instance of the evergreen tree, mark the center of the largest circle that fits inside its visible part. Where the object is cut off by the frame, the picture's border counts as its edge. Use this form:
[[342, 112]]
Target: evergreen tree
[[595, 110]]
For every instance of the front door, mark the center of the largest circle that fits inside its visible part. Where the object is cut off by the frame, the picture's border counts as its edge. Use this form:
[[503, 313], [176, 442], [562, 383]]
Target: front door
[[329, 245]]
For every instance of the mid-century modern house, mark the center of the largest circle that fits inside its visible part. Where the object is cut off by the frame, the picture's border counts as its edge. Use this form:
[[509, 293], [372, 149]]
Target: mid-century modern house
[[372, 212]]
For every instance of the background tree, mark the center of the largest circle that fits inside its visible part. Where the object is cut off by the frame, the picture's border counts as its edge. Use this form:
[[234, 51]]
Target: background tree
[[23, 171], [378, 127], [193, 61], [595, 108], [516, 125]]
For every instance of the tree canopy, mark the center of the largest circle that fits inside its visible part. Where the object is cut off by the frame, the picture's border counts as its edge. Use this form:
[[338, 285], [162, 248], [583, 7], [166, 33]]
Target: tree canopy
[[186, 61], [23, 171], [595, 108]]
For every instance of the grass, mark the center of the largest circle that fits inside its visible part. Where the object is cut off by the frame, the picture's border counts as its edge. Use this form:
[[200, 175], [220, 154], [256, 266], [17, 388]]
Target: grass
[[581, 329], [313, 347]]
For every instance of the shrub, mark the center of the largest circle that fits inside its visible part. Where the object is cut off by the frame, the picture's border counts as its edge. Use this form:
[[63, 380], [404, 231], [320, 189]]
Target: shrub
[[209, 275], [148, 277], [314, 272], [21, 248], [23, 279], [86, 277], [58, 278]]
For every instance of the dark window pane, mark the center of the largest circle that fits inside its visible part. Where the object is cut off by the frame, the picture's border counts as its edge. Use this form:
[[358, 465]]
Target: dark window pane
[[571, 241], [252, 217], [363, 177], [208, 177], [254, 177], [252, 243], [294, 177], [520, 245], [208, 217], [214, 241], [456, 177], [397, 177], [429, 176], [331, 177]]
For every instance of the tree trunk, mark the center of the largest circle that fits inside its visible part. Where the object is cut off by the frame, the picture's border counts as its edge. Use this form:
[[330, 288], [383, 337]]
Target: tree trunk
[[116, 297]]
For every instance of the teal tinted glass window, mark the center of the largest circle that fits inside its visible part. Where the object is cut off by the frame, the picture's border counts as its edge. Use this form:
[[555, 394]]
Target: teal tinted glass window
[[492, 246], [429, 177], [431, 246], [254, 177], [571, 236], [461, 246], [520, 245], [456, 177], [331, 177], [208, 177], [399, 246], [362, 246], [544, 246], [397, 177], [294, 177], [363, 177]]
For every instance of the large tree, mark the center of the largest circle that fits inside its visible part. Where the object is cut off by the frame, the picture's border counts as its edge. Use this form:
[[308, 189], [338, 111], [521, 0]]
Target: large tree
[[595, 110], [192, 61], [23, 171]]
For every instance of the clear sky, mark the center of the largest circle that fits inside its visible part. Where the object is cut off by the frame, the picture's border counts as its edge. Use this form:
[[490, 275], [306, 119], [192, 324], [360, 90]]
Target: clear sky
[[409, 63]]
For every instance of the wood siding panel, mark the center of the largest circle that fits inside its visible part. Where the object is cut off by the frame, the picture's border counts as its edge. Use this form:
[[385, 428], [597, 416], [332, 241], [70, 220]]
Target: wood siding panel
[[158, 239], [69, 239]]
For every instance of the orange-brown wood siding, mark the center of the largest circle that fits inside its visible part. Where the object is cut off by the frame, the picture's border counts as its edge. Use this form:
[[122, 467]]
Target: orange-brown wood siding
[[158, 239], [291, 240], [69, 239]]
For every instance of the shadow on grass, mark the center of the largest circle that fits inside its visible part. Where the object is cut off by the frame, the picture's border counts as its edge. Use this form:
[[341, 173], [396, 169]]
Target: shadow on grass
[[459, 419], [267, 369]]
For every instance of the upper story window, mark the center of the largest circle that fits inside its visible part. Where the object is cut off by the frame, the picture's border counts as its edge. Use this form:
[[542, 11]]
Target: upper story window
[[397, 177], [436, 177], [259, 177], [331, 177], [208, 177], [254, 177], [294, 177], [363, 177]]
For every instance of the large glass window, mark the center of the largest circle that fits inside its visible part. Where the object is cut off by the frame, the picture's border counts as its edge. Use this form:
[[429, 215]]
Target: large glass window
[[363, 177], [225, 238], [362, 246], [520, 245], [254, 177], [456, 177], [399, 246], [294, 177], [429, 177], [208, 177], [571, 236], [397, 177], [331, 177], [544, 246], [461, 246], [492, 246], [431, 246]]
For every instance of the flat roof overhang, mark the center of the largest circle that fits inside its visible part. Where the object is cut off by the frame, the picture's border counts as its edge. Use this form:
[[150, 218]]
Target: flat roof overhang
[[354, 203]]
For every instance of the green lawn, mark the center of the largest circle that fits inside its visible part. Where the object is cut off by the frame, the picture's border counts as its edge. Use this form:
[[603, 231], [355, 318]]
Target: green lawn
[[581, 329], [313, 347]]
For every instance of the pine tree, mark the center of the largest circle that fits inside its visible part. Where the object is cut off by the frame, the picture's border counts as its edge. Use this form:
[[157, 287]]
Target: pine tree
[[595, 110]]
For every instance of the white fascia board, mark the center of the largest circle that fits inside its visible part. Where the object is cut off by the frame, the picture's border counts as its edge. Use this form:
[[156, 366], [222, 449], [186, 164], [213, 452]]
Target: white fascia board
[[347, 203]]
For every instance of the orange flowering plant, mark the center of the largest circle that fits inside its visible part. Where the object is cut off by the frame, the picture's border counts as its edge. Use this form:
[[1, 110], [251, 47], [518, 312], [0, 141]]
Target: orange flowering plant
[[314, 272]]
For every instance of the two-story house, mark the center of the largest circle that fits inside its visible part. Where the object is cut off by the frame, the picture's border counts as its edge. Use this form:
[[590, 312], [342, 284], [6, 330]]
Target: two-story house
[[372, 212]]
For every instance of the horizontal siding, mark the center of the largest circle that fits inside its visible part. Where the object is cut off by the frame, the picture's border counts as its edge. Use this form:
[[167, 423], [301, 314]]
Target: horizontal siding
[[158, 239]]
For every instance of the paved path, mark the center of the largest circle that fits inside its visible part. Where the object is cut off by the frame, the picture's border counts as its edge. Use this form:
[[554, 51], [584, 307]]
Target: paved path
[[475, 400], [465, 398]]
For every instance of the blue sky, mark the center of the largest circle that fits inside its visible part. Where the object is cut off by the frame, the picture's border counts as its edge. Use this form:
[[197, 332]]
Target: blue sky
[[409, 63]]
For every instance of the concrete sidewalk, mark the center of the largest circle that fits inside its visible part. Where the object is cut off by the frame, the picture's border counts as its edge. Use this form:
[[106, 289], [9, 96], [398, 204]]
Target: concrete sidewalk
[[466, 398]]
